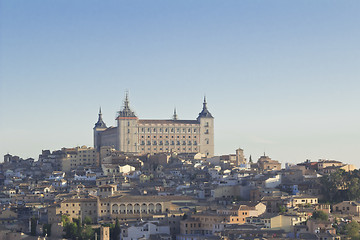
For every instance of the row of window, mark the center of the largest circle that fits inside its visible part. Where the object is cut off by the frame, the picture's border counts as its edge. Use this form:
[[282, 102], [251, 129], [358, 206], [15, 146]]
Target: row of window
[[90, 212], [79, 155], [191, 225], [154, 136], [168, 143], [167, 149], [76, 160], [171, 130], [86, 204]]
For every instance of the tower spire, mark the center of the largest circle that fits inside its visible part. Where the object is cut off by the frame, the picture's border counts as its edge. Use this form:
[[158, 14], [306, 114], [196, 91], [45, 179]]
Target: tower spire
[[205, 112], [100, 123], [175, 117], [126, 111], [126, 101]]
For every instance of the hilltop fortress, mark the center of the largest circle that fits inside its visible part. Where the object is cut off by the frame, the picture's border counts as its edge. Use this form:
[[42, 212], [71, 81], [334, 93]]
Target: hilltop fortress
[[134, 135]]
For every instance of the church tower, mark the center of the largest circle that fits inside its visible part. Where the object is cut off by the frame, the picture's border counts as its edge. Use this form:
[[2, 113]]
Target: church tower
[[206, 121], [98, 128], [127, 129]]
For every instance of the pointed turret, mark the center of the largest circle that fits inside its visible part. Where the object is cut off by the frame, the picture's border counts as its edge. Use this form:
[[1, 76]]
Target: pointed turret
[[205, 112], [126, 111], [100, 123], [175, 117]]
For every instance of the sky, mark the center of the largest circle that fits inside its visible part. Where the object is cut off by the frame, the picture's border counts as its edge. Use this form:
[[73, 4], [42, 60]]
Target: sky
[[280, 77]]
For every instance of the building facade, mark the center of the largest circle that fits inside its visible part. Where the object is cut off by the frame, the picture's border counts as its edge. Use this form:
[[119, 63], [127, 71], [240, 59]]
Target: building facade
[[140, 136], [68, 159]]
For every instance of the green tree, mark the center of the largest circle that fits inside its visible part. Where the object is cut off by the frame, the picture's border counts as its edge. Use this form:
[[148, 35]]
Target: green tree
[[352, 230], [354, 189], [336, 186], [64, 219], [320, 215], [33, 223], [282, 209], [87, 233], [116, 230], [87, 220], [47, 230]]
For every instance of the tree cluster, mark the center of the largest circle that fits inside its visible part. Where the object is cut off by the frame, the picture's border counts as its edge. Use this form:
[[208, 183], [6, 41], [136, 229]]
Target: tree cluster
[[320, 215], [76, 230], [47, 230], [341, 186], [352, 230], [114, 230]]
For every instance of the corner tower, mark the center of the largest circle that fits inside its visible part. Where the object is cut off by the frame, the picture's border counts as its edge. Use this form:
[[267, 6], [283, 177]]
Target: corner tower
[[206, 121], [127, 129], [98, 128]]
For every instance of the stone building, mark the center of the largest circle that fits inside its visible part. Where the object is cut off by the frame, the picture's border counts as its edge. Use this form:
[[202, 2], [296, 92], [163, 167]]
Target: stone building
[[347, 207], [68, 159], [134, 135], [265, 163], [106, 207]]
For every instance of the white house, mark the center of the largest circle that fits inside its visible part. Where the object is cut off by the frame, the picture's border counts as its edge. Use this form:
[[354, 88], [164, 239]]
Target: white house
[[143, 230]]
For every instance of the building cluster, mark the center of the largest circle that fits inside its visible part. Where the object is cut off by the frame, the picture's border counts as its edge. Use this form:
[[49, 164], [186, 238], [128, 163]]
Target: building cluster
[[168, 195], [165, 194]]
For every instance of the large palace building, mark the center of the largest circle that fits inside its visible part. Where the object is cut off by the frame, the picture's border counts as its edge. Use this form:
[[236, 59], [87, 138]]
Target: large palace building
[[134, 135]]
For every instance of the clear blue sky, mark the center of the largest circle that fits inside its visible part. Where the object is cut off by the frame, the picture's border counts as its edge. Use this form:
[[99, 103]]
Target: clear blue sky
[[280, 76]]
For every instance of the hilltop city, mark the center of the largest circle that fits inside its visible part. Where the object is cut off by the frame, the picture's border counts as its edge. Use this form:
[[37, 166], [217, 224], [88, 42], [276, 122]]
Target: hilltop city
[[160, 179]]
